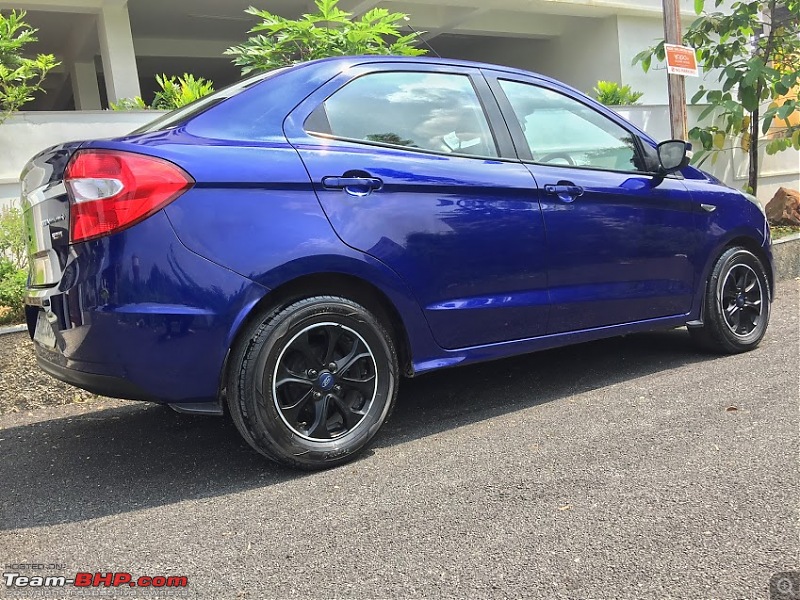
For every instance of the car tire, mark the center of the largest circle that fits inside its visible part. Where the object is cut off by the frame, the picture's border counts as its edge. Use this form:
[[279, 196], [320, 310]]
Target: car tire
[[311, 384], [736, 305]]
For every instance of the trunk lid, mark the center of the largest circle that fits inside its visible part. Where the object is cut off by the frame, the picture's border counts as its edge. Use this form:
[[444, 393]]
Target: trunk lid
[[46, 211]]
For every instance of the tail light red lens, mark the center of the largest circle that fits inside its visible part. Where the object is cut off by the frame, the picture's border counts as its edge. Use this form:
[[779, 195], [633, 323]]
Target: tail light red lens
[[111, 190]]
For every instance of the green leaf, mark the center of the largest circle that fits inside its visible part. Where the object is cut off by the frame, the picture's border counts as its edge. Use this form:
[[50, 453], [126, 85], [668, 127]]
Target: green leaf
[[749, 98], [698, 6], [787, 109], [706, 112]]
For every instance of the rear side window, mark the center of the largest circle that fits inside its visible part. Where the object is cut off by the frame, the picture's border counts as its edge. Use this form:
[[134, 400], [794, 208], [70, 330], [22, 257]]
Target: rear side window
[[183, 114], [436, 112]]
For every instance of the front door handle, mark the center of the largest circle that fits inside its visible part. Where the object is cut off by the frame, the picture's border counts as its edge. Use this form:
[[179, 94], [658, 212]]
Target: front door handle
[[565, 190], [355, 186]]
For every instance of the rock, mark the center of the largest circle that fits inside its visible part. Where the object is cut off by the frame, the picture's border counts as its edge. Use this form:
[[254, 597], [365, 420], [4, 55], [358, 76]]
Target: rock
[[784, 208]]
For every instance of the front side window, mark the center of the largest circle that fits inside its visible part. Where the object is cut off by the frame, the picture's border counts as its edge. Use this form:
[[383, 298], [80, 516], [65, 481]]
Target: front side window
[[563, 131], [427, 111]]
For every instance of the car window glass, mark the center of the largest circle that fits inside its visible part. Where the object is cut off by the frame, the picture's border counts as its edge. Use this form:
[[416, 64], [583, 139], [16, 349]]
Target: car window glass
[[563, 131], [428, 111]]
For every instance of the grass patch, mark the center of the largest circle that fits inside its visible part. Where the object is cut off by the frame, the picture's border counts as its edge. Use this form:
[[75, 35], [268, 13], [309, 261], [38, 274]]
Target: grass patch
[[779, 232]]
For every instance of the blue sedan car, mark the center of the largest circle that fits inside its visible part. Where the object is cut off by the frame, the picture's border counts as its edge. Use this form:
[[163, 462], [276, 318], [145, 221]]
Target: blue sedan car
[[288, 248]]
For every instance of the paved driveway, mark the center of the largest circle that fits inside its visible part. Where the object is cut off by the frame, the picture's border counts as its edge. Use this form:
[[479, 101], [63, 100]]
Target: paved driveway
[[627, 468]]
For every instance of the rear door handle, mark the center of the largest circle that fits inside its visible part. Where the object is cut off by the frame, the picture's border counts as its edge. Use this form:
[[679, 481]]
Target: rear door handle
[[355, 186], [565, 190]]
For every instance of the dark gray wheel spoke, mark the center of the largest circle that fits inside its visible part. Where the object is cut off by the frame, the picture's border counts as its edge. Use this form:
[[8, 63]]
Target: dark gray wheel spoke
[[292, 413], [350, 416], [334, 335], [293, 380], [303, 346], [365, 387], [356, 353], [319, 428], [736, 319], [749, 282]]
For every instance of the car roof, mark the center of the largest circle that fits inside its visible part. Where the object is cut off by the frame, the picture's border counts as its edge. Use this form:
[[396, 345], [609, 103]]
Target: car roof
[[349, 61]]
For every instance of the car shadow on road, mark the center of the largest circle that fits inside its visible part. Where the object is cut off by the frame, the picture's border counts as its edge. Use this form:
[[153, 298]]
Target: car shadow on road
[[134, 457]]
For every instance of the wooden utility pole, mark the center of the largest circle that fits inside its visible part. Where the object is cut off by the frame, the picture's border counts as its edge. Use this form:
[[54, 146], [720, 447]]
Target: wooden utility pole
[[673, 34]]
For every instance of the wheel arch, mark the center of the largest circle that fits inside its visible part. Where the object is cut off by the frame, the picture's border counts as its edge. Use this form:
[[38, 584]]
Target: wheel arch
[[742, 240], [345, 285], [751, 244]]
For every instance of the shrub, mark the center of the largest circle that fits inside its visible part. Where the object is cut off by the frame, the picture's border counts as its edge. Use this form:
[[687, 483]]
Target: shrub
[[174, 93], [12, 237], [128, 104], [180, 91], [13, 263], [12, 292], [611, 93]]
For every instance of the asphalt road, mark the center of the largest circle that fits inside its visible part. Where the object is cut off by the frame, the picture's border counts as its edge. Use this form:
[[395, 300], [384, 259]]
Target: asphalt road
[[628, 468]]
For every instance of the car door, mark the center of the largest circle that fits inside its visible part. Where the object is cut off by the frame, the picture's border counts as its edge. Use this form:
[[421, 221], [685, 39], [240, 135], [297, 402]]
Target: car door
[[410, 168], [621, 244]]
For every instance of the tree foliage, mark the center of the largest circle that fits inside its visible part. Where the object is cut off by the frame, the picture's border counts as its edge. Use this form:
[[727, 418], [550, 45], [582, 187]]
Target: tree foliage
[[330, 31], [20, 77], [754, 47]]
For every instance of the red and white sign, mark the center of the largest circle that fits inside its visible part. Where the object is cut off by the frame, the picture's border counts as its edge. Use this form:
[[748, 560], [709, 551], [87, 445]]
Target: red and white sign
[[681, 60]]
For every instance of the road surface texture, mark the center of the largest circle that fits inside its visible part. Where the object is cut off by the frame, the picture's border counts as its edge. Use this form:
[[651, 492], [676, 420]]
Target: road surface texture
[[628, 468]]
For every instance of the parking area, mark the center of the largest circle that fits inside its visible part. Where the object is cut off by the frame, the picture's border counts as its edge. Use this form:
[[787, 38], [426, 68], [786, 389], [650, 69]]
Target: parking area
[[634, 467]]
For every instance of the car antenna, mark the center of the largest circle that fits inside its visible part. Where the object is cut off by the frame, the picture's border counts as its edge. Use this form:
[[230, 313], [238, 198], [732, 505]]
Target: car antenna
[[407, 19]]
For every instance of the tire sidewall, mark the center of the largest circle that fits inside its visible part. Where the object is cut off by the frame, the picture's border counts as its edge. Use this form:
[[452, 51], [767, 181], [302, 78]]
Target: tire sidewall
[[265, 423]]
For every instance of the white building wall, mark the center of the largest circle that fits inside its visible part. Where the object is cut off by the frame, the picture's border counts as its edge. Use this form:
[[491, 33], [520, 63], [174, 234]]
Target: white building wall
[[27, 133], [587, 52]]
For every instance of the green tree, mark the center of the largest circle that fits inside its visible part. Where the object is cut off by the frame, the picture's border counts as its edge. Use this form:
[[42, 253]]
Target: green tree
[[20, 77], [328, 32], [754, 46]]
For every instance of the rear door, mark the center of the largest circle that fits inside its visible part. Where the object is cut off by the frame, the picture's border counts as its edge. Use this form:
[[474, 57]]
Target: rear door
[[621, 246], [414, 168]]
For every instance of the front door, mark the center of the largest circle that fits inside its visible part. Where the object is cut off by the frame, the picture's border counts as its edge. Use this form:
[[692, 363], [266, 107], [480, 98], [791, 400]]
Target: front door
[[621, 249]]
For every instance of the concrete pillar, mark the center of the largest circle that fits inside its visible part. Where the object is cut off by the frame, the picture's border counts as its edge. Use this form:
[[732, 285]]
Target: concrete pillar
[[85, 89], [116, 49]]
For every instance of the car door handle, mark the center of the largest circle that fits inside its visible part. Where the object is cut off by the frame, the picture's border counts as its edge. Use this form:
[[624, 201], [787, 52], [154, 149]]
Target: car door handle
[[355, 186], [565, 190]]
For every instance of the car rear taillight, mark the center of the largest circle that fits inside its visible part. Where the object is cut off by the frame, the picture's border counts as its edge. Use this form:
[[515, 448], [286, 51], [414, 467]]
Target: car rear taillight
[[111, 190]]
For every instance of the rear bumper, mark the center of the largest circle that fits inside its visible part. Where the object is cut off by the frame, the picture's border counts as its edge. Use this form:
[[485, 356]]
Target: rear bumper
[[138, 316], [103, 385]]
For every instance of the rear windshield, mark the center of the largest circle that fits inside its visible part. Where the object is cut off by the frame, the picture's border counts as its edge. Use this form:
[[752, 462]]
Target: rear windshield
[[184, 113]]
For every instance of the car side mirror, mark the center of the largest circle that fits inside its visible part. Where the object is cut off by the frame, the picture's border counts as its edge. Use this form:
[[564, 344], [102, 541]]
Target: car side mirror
[[674, 155]]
